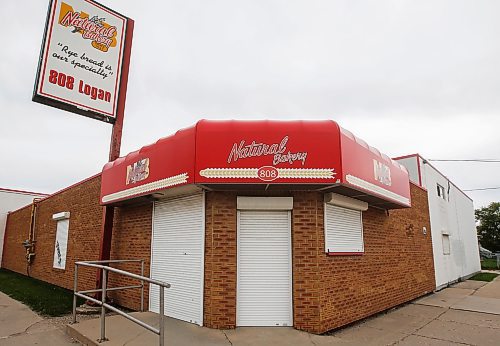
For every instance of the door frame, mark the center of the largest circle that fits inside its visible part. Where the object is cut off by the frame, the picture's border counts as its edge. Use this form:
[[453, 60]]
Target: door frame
[[265, 204]]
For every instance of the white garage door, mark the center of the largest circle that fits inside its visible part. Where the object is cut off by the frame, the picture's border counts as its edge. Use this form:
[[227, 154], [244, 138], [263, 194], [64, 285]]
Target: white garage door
[[177, 256], [264, 296]]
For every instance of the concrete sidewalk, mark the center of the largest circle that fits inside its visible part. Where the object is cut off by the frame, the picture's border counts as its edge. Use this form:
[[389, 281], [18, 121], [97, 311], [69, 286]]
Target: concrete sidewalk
[[466, 314], [20, 326]]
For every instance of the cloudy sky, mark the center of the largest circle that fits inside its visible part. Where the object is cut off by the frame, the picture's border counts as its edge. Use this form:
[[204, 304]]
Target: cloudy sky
[[406, 76]]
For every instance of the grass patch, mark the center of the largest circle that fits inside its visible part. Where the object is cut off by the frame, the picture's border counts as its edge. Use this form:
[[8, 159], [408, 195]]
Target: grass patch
[[489, 264], [40, 296], [484, 277]]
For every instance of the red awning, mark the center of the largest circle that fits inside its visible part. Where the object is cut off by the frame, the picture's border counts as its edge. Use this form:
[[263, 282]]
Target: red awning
[[311, 154]]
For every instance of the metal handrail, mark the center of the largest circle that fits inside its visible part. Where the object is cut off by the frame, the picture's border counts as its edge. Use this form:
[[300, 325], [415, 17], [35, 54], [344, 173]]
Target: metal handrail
[[98, 264], [123, 287]]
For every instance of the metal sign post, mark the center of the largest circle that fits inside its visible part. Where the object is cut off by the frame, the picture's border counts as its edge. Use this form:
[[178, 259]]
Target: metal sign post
[[114, 151], [83, 69]]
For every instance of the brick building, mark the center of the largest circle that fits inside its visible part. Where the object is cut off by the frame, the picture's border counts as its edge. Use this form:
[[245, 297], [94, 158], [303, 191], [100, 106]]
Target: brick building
[[253, 224], [11, 200]]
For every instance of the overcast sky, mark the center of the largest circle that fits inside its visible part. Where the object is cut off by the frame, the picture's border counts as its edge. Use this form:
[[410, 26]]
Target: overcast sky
[[406, 76]]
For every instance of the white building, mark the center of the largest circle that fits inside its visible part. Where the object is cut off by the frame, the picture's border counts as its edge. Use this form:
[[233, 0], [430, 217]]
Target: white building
[[11, 200], [454, 236]]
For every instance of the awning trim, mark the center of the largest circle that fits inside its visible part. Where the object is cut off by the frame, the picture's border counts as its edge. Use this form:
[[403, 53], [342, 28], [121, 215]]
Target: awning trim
[[292, 173], [155, 185], [376, 189]]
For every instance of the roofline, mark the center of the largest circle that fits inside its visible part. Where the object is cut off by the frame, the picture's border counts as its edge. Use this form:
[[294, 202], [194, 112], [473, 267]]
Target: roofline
[[426, 162], [23, 192], [19, 209], [419, 186], [60, 191], [406, 156], [419, 169], [71, 186]]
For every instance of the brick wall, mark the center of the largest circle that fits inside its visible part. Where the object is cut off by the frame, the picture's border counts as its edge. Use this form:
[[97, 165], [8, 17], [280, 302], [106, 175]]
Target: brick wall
[[81, 201], [131, 239], [328, 291], [307, 224], [17, 230], [220, 260], [397, 265]]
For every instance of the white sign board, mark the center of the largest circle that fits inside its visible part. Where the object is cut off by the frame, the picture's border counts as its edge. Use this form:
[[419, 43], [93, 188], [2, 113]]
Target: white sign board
[[81, 59], [61, 245]]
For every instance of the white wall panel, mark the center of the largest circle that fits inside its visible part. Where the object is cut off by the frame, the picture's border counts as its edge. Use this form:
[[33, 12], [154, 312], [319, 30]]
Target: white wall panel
[[454, 215]]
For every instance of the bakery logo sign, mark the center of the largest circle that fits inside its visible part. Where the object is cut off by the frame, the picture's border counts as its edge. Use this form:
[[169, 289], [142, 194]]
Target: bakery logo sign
[[137, 171], [95, 29], [82, 57], [382, 173], [278, 151]]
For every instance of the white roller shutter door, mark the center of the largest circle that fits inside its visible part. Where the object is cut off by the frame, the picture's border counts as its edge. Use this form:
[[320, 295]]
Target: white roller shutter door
[[264, 296], [177, 256], [343, 230]]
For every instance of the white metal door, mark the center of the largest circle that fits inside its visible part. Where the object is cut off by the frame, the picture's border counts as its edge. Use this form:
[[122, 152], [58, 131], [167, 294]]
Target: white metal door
[[177, 256], [264, 284]]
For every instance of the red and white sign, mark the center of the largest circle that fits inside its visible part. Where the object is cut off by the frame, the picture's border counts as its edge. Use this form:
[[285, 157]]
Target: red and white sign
[[82, 57], [137, 171], [258, 152]]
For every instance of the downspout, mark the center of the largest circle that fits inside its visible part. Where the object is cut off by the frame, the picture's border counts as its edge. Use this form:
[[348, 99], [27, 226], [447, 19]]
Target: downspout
[[29, 243]]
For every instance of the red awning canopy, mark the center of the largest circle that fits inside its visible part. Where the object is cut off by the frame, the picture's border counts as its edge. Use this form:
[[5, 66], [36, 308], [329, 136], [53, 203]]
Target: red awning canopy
[[310, 154]]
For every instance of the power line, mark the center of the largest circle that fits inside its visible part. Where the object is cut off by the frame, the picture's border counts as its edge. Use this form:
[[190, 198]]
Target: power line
[[485, 188], [471, 160], [465, 160]]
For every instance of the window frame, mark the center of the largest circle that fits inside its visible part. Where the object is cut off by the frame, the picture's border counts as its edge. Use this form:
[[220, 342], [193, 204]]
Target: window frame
[[329, 249], [447, 248], [441, 192], [62, 225]]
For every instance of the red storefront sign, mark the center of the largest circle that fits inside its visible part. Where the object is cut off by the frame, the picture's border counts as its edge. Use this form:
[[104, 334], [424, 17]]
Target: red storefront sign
[[257, 152]]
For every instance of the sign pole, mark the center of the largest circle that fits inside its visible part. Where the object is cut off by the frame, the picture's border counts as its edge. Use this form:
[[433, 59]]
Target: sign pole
[[114, 151], [83, 68]]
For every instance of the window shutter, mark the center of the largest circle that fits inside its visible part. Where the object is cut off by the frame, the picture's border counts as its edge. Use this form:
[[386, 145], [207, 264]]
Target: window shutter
[[343, 230]]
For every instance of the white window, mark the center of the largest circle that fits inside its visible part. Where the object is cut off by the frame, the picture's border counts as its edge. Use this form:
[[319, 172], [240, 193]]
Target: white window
[[440, 192], [446, 244], [61, 243], [343, 226]]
